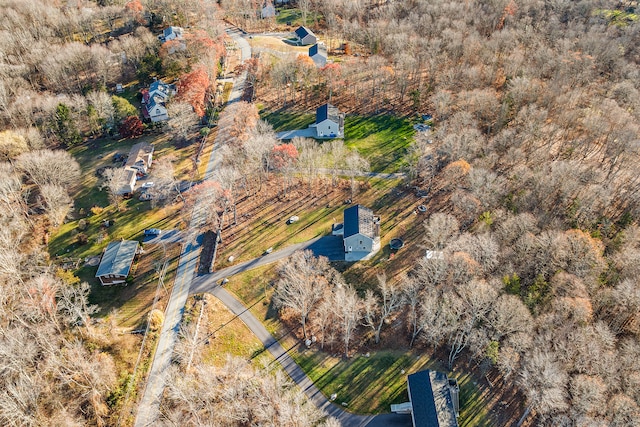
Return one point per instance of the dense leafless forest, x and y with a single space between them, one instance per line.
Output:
531 166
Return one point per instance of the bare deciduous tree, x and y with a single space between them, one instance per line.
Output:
379 309
440 229
49 167
114 181
348 312
303 279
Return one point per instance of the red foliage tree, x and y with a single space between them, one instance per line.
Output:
131 127
192 88
283 156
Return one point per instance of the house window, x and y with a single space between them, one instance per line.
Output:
157 111
360 241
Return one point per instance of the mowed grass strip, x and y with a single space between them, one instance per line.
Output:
224 333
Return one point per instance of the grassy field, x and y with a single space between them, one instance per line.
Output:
382 140
134 215
369 385
282 121
262 223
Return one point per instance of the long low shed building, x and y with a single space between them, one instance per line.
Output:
116 262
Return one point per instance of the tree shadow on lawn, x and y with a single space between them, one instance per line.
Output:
367 384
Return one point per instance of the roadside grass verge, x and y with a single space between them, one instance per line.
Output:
222 332
254 288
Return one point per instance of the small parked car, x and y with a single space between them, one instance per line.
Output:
293 219
147 184
268 251
152 232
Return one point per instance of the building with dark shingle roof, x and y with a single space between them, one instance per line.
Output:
434 399
305 36
116 262
361 233
318 53
329 122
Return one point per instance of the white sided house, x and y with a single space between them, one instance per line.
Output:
329 122
116 262
140 158
154 101
361 235
128 182
305 36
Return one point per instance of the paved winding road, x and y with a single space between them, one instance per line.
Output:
320 246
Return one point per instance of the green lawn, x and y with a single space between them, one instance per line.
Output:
282 121
369 385
382 140
295 17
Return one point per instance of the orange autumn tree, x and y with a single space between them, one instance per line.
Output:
192 88
135 9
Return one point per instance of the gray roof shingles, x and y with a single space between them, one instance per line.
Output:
117 258
328 111
359 219
431 400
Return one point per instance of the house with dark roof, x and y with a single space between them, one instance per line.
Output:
305 36
318 53
361 233
433 400
171 33
329 122
154 101
116 262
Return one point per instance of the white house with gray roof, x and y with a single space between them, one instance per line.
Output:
361 235
305 36
329 122
116 262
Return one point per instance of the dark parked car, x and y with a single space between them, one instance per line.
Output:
152 232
